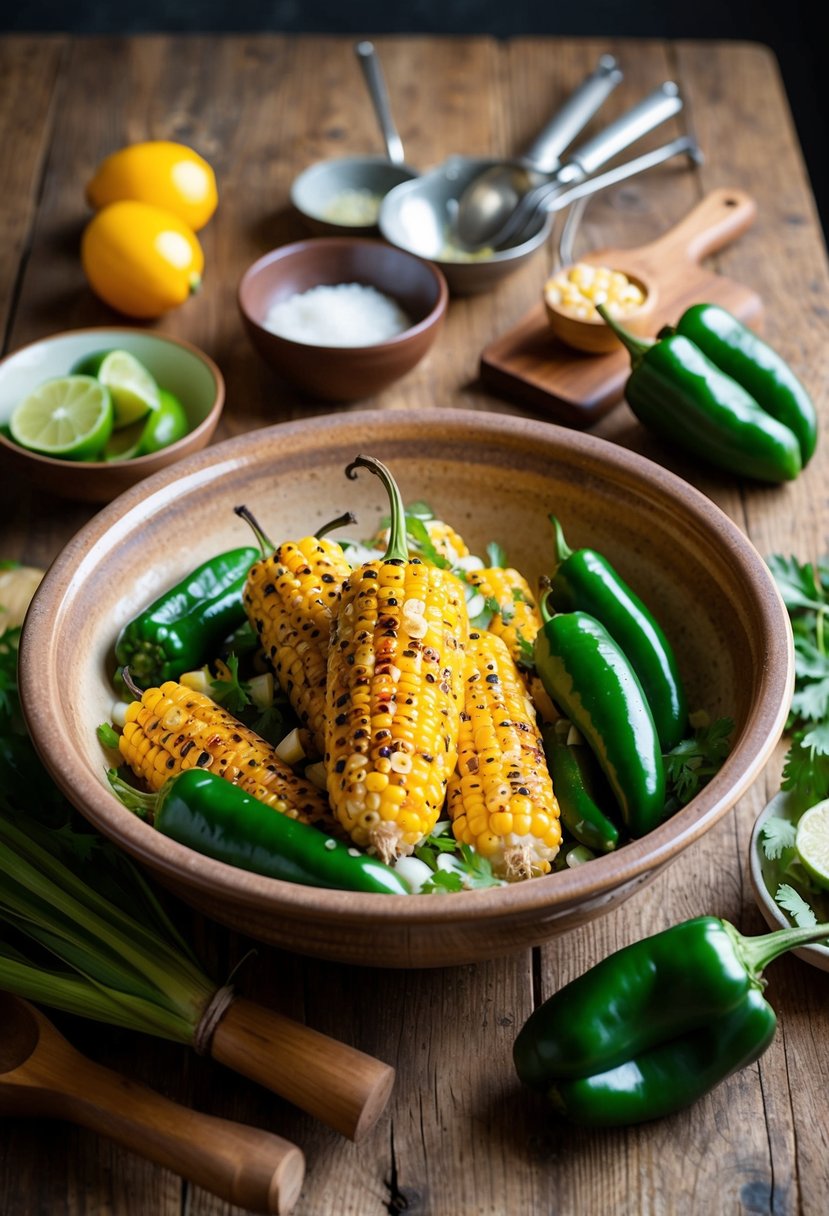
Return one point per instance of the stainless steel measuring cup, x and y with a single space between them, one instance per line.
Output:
342 196
420 215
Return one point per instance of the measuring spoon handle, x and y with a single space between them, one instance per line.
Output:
660 105
243 1165
546 149
375 81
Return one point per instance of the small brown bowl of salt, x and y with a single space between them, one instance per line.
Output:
342 317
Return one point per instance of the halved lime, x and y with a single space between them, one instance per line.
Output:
134 390
69 417
812 842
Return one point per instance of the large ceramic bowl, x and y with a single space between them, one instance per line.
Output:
493 477
176 365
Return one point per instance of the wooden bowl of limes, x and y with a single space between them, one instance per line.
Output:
88 413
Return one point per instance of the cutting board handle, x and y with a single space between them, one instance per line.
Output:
718 219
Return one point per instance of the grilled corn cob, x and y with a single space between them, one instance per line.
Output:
500 796
395 685
516 619
290 599
173 728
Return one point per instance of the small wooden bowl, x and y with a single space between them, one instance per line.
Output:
176 365
343 373
591 334
494 477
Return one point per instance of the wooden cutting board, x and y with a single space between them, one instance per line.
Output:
530 363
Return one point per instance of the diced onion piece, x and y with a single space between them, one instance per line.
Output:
290 749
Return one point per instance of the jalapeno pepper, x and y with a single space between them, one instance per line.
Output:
746 358
583 579
656 1024
578 786
679 393
214 817
592 682
672 1075
184 626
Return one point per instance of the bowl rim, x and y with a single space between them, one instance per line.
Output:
137 462
243 890
431 319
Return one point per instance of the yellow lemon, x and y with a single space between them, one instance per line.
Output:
159 172
140 259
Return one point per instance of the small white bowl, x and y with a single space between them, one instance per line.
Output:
783 806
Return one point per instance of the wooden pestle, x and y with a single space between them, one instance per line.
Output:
41 1074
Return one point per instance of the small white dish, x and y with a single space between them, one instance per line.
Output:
784 805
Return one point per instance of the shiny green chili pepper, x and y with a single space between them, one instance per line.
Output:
672 1075
206 813
583 579
581 789
592 682
657 1023
182 629
746 358
679 393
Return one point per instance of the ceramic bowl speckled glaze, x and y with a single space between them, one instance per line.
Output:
343 373
494 477
176 365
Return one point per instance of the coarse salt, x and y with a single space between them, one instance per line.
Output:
348 314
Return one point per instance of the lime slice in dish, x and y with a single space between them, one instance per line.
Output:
134 390
124 443
165 425
812 842
69 417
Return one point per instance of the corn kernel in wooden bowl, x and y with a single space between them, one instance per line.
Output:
571 296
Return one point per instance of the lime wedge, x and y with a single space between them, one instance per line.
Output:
124 443
812 842
134 391
165 425
69 417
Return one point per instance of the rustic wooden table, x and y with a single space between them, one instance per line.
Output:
460 1138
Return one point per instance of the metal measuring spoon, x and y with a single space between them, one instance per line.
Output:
324 192
41 1074
488 201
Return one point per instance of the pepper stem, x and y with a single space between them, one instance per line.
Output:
636 348
398 546
562 549
262 540
545 586
340 522
141 804
757 952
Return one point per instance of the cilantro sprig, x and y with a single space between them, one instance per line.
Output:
804 587
695 760
464 870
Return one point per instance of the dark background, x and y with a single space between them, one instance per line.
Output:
796 30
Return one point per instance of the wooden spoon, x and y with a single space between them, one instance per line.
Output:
41 1074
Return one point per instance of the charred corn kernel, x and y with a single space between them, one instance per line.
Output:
173 728
394 691
577 289
290 599
517 619
501 801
